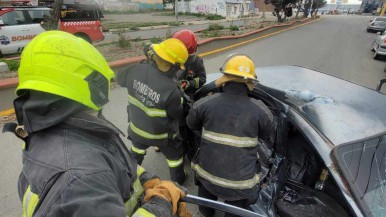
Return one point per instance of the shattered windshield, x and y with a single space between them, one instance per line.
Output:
364 167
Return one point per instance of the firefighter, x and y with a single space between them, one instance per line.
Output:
234 129
74 162
190 80
194 75
155 104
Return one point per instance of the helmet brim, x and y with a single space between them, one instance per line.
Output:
238 74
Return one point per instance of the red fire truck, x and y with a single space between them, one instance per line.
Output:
82 20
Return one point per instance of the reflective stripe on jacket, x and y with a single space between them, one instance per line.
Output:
232 126
155 104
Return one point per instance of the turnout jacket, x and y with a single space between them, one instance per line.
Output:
196 75
233 126
75 164
155 104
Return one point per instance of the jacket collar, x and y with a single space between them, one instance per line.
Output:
236 88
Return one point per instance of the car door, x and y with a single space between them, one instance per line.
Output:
14 32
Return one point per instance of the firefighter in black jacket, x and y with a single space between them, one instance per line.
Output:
234 127
190 79
194 75
74 161
155 104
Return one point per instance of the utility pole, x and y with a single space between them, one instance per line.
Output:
176 9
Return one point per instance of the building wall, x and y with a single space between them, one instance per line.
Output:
134 5
218 7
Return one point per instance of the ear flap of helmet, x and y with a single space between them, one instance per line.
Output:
99 88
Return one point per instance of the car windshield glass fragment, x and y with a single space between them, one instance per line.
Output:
364 167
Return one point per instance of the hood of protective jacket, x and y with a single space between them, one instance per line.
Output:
37 111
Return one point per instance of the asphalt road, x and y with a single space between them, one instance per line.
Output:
337 45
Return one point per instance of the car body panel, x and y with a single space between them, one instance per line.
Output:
17 30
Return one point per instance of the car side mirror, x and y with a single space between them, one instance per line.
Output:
379 33
381 82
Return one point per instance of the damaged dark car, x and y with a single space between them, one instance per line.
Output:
329 154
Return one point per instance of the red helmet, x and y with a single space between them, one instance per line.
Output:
188 38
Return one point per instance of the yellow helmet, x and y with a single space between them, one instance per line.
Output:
172 50
239 65
62 64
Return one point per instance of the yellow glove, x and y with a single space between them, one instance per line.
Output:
183 211
151 183
168 191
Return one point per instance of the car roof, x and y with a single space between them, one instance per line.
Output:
341 110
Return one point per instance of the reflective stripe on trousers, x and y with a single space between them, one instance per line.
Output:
152 112
131 204
147 135
30 200
138 151
231 184
175 163
225 139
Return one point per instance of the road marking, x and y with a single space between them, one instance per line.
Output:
7 112
254 39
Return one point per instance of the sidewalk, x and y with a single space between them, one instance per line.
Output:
199 25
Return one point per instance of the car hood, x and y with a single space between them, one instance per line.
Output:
342 111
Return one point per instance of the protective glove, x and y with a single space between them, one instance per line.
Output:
168 191
151 183
184 84
183 211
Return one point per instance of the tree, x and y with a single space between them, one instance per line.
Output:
51 22
315 4
299 6
283 8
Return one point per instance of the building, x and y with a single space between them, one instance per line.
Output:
225 8
130 5
341 5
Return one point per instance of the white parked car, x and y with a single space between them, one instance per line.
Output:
18 26
379 46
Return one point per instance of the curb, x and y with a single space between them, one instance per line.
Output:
13 82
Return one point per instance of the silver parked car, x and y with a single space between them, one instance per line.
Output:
379 46
378 24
